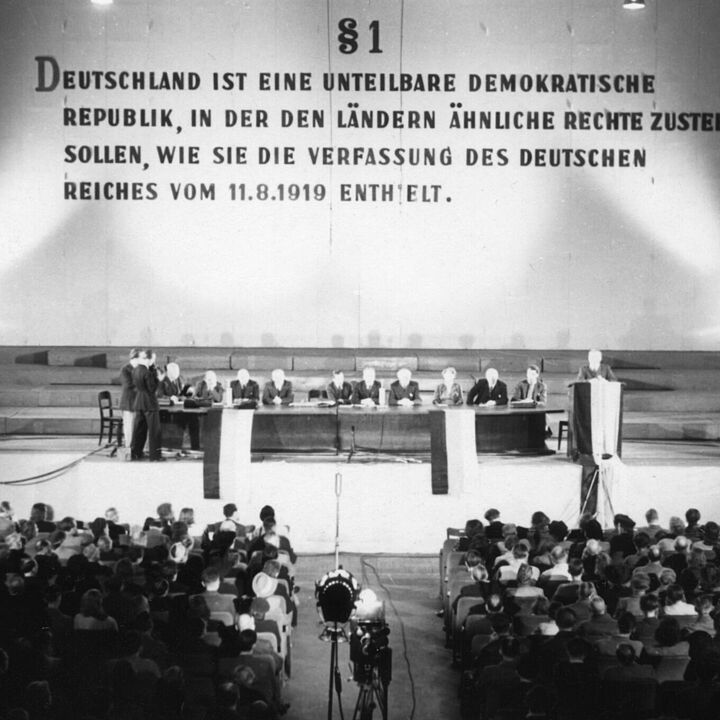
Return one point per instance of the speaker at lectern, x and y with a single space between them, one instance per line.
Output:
595 421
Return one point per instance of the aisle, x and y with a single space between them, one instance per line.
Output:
422 676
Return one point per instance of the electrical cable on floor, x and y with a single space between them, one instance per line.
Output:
52 474
365 563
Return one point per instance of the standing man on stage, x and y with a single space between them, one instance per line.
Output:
127 398
595 368
147 412
488 392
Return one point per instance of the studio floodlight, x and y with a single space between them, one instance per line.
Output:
336 593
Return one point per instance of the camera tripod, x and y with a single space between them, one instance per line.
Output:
373 694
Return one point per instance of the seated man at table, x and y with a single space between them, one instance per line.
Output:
532 387
279 390
338 390
209 390
488 392
404 391
244 389
595 368
367 391
173 385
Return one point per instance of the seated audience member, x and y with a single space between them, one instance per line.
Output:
367 391
278 391
622 540
214 599
559 572
173 385
567 592
527 620
705 621
39 517
209 390
338 390
404 391
7 524
489 391
478 585
710 541
582 607
595 368
669 653
576 683
114 528
600 623
520 556
627 667
653 526
675 603
639 586
448 392
607 645
693 531
500 686
92 615
550 653
245 390
653 567
495 524
524 596
532 387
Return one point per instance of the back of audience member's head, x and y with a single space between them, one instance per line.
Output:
510 648
674 594
479 573
525 575
667 576
586 590
494 604
248 638
91 604
229 510
642 541
558 530
575 568
491 514
623 523
626 623
639 583
625 654
577 649
651 516
654 554
676 525
558 555
565 618
471 527
692 516
473 558
704 604
598 606
667 633
649 604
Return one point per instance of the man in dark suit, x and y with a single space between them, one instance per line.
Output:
367 391
147 413
174 387
278 391
595 368
404 391
532 387
338 390
245 389
127 396
490 391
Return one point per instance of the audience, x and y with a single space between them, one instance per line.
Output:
632 607
109 623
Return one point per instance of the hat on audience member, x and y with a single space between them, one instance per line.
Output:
263 585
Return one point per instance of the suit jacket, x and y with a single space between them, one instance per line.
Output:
523 388
411 392
448 396
604 371
204 393
340 395
363 392
270 392
170 388
251 391
146 384
127 395
481 393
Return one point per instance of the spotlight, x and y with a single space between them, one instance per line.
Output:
336 593
634 4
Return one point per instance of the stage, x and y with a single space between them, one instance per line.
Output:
386 504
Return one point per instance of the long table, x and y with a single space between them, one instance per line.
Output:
344 429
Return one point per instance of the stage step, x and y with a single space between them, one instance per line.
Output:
671 426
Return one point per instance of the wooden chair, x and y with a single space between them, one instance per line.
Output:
113 422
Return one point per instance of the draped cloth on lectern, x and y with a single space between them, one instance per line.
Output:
226 440
605 406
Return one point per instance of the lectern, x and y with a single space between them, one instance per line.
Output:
595 420
595 440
